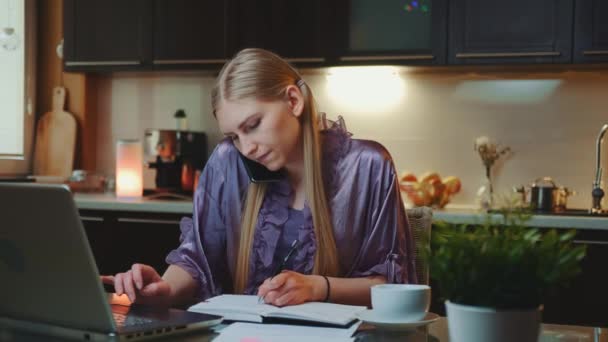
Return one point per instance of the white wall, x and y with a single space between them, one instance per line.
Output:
549 119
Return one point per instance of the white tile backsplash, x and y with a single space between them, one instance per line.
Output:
549 119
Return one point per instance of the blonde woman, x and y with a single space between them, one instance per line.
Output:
339 199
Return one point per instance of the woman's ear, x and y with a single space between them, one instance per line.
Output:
295 100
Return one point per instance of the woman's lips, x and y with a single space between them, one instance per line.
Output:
263 157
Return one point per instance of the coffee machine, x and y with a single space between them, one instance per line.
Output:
178 156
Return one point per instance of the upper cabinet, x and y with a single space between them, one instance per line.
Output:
296 30
105 34
514 31
591 31
113 35
189 32
401 32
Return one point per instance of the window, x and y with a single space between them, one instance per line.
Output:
16 85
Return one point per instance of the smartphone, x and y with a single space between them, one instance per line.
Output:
258 173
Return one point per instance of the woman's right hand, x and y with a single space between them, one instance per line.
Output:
142 284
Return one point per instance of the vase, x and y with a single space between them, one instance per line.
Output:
481 324
485 195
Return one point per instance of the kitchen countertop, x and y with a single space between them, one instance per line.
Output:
470 215
110 202
453 213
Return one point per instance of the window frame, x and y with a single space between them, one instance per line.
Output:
22 164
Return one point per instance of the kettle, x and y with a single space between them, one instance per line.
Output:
545 195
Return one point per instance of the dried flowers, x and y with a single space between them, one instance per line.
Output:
489 152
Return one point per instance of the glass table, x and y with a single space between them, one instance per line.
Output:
434 332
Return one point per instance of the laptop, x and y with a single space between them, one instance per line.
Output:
49 282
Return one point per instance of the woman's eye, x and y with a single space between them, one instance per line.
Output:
234 137
255 124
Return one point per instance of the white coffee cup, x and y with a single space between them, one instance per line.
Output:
402 302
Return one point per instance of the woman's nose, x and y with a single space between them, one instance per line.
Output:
249 148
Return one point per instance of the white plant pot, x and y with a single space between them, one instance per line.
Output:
481 324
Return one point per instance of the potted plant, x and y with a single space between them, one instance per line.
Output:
495 275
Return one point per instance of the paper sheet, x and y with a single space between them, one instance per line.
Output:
251 332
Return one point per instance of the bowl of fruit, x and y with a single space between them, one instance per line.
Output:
429 189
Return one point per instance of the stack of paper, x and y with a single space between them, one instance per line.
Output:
248 332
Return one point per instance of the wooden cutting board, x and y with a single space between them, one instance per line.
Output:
55 140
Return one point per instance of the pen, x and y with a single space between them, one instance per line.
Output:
294 246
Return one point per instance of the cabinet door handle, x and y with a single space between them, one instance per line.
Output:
591 242
156 221
306 60
595 52
101 63
386 58
189 61
507 54
91 219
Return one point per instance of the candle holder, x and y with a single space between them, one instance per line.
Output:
129 169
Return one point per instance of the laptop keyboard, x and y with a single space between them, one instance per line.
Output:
129 320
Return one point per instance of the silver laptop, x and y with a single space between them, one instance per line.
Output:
49 281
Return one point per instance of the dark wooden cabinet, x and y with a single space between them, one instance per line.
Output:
189 32
396 32
507 32
296 30
119 239
140 35
144 34
590 31
105 34
585 300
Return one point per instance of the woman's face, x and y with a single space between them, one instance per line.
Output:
267 132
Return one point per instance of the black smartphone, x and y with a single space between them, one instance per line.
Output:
258 173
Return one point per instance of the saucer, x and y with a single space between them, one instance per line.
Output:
371 317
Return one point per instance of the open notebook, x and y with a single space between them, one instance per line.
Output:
246 308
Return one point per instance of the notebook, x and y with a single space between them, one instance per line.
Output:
50 282
246 308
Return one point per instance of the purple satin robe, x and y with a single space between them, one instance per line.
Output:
370 226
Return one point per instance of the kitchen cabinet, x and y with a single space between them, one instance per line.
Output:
510 32
119 35
189 32
119 239
105 34
296 30
141 35
585 300
590 31
396 32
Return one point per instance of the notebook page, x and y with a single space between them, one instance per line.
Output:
319 312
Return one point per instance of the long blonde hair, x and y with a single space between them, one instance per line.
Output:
262 75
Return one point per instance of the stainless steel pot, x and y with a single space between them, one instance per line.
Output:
545 196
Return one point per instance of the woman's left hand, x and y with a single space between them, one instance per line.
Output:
291 288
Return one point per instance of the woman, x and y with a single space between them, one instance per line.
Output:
340 200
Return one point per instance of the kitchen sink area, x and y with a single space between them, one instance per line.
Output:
567 212
575 212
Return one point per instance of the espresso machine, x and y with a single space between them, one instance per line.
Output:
178 156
